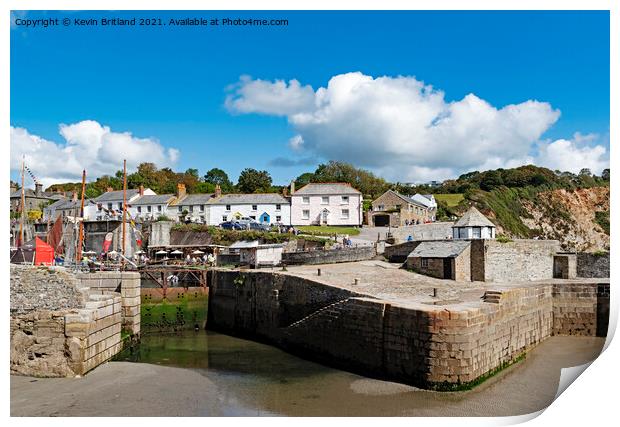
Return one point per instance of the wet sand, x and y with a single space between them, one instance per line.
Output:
216 375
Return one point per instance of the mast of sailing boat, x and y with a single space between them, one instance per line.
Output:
23 210
80 239
124 209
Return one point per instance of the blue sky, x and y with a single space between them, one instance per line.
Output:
170 84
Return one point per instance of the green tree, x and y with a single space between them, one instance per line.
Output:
217 176
304 179
253 181
605 174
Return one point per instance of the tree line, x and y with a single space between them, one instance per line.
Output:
165 180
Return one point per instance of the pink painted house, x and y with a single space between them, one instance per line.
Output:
326 204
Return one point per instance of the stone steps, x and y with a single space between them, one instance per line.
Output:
328 310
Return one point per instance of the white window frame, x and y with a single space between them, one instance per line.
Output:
344 200
224 218
254 207
305 200
227 208
305 214
278 207
325 200
343 215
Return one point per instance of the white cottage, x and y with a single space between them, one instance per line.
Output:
267 208
150 207
109 205
326 204
473 225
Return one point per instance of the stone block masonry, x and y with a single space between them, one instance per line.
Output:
444 346
74 325
593 265
128 284
329 256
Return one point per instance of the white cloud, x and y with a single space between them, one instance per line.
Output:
277 98
573 155
296 143
400 126
87 145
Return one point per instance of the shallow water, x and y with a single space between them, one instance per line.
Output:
249 378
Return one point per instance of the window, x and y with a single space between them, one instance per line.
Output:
120 206
278 218
424 262
159 208
253 217
202 208
139 209
224 218
345 214
202 218
191 209
227 208
305 214
254 207
148 209
345 200
305 200
278 207
325 200
180 208
380 207
476 232
463 233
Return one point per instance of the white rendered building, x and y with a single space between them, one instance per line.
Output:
326 204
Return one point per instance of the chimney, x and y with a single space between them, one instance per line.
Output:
285 191
180 190
218 190
74 198
141 190
38 189
292 187
108 189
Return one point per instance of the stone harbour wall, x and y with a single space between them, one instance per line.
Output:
71 327
127 283
593 265
494 261
434 346
329 256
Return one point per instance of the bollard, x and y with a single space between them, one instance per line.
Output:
434 292
284 267
356 281
318 272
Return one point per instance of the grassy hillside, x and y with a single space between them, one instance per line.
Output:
450 200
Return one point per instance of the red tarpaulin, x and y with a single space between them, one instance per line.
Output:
54 237
43 253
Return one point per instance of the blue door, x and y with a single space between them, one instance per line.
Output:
264 218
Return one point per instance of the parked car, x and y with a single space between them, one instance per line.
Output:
230 225
258 226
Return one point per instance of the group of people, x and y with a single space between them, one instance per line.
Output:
412 222
206 259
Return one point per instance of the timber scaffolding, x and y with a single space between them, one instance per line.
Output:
186 276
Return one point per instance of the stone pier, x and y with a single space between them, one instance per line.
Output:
63 324
389 324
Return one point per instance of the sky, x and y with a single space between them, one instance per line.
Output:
413 96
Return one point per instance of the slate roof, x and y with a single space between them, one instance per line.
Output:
328 188
193 199
115 196
249 199
29 193
473 218
440 249
160 199
409 200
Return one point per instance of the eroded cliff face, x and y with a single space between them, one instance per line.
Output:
570 217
